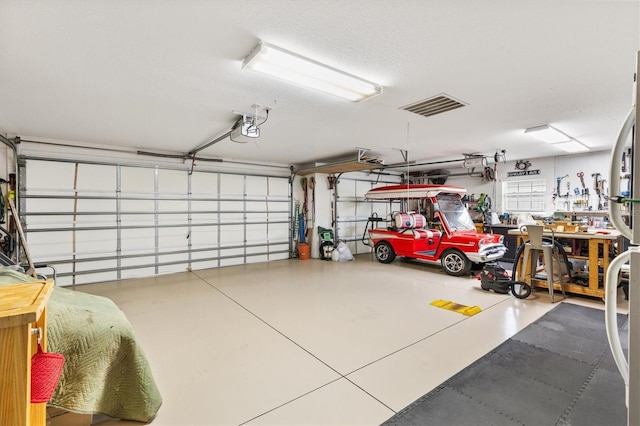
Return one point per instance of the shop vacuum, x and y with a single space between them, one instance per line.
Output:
495 277
326 245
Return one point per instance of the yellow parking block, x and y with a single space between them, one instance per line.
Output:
456 307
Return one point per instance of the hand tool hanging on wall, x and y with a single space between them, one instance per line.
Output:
584 202
558 181
2 205
312 216
302 229
567 203
597 186
11 194
581 176
296 221
305 209
6 238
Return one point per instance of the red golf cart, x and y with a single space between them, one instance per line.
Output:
439 228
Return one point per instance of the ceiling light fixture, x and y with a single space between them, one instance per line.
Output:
548 134
551 135
293 68
572 146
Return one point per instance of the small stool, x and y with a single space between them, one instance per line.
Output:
532 250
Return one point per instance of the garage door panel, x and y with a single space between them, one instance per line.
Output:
175 219
257 186
172 182
48 205
232 235
104 241
204 185
137 181
134 240
278 231
96 179
256 234
231 186
137 206
48 177
172 238
204 236
137 272
173 205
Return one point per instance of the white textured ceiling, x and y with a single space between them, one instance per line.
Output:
165 75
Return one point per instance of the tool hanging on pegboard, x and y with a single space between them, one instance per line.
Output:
581 176
305 210
296 221
6 238
558 182
597 186
312 215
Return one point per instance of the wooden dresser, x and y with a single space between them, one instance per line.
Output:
22 311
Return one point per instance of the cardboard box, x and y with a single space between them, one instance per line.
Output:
60 417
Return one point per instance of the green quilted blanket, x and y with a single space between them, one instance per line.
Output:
105 369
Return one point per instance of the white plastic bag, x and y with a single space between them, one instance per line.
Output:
335 255
344 254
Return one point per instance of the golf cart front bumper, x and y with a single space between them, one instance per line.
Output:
488 253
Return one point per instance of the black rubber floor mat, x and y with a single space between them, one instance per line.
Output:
557 371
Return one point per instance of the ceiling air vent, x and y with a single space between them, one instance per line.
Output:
435 105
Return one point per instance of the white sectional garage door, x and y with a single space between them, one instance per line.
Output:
99 222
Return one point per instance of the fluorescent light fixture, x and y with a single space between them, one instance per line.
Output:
572 146
293 68
557 138
548 134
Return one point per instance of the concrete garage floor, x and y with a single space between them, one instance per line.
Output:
309 342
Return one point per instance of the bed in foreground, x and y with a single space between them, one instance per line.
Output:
106 370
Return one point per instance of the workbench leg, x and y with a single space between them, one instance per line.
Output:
593 264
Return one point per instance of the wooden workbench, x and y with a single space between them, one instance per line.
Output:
600 247
22 308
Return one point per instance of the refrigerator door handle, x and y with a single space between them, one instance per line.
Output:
614 175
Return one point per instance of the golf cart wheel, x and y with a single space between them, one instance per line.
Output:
455 263
520 289
384 252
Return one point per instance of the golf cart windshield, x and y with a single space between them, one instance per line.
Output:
454 212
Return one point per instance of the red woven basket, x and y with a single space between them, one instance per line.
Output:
46 368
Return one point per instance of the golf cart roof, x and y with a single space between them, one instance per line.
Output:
404 191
